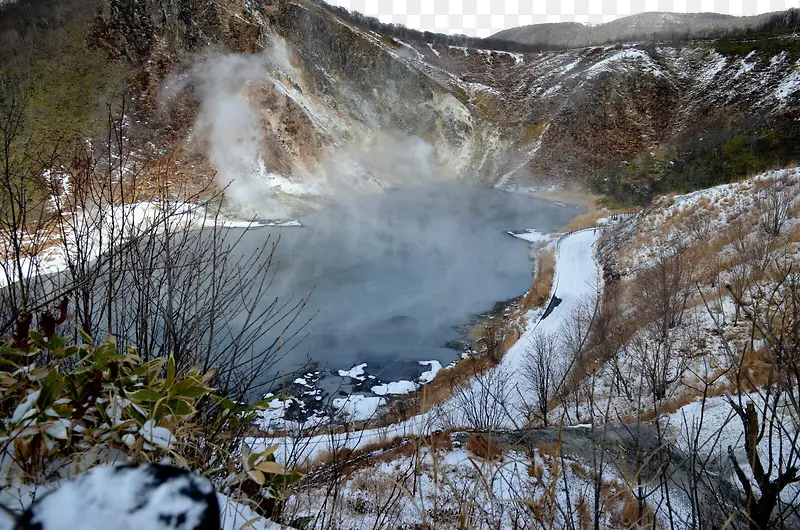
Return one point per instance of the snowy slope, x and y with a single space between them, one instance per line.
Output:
91 231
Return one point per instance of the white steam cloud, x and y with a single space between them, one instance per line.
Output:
363 155
231 127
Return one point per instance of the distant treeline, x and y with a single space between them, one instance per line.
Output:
546 37
725 154
408 34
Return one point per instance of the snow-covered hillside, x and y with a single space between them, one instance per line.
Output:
674 382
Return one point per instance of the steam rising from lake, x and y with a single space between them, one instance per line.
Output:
393 274
229 125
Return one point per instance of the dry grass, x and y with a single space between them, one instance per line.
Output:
496 337
632 517
757 368
441 387
348 460
573 196
794 233
484 447
539 293
589 219
673 405
584 513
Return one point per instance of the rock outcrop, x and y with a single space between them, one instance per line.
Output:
342 107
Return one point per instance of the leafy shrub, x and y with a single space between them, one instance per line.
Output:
88 403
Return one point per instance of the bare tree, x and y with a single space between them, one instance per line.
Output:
22 217
774 202
768 407
542 372
770 421
482 402
665 288
144 259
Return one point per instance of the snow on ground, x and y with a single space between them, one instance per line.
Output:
643 63
475 88
238 516
711 69
745 66
566 69
789 85
450 487
717 427
463 49
357 407
699 215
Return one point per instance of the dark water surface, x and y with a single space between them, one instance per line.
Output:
394 274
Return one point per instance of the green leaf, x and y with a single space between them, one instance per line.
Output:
36 338
85 336
179 407
106 353
189 389
224 402
251 459
75 350
170 378
12 352
6 380
145 395
63 411
57 345
51 388
80 370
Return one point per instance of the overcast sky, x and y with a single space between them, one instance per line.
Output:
481 18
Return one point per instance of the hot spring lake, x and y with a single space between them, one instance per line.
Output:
394 275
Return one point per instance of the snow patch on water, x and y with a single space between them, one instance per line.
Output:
532 236
358 407
396 387
356 372
428 376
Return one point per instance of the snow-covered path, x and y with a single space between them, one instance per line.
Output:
576 278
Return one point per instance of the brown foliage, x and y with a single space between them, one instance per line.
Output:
539 293
484 447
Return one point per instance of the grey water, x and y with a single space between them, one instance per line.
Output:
394 275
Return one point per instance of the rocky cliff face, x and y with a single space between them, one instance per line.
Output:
343 108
